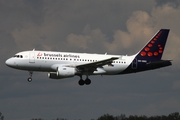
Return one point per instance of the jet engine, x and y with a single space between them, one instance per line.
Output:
62 72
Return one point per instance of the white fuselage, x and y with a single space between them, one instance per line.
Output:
47 61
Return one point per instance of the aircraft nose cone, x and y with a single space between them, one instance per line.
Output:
9 62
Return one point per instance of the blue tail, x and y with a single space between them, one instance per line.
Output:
154 49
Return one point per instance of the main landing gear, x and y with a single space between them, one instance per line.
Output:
87 81
30 76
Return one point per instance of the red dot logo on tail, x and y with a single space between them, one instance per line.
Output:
147 50
149 45
150 54
156 53
143 53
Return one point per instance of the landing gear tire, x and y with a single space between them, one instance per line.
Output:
81 82
87 81
29 79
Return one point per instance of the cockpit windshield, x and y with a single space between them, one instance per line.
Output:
18 56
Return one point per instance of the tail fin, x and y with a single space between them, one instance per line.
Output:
154 49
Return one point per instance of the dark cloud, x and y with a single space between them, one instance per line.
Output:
15 13
162 2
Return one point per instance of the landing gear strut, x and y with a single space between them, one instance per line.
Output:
30 76
87 81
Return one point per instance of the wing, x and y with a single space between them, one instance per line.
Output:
91 67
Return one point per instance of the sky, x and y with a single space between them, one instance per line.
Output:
119 27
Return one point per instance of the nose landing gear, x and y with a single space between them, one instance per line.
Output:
30 76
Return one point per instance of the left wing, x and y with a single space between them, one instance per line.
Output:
90 67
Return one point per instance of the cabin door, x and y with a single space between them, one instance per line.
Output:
31 57
134 63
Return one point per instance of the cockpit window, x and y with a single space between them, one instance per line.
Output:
18 56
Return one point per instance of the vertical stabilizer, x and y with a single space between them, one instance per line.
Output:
154 49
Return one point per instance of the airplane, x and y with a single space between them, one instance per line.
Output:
61 65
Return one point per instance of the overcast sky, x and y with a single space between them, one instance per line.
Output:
91 26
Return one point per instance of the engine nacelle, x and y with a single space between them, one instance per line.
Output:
53 75
62 72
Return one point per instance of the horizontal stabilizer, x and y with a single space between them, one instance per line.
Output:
158 64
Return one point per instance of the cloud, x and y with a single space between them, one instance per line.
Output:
89 39
50 23
78 41
141 27
167 16
122 40
162 2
